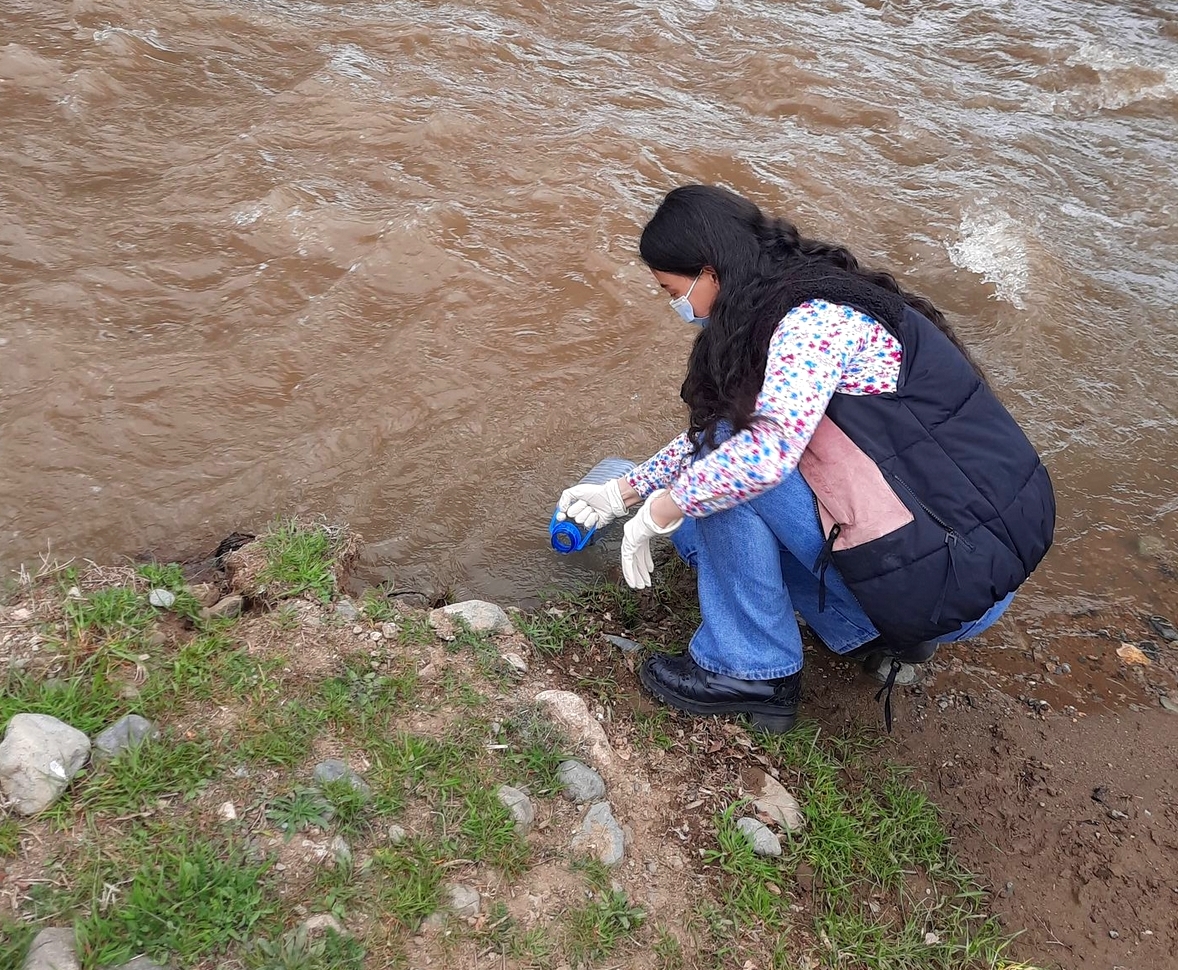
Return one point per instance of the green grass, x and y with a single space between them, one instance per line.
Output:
408 882
536 748
115 609
139 871
139 777
595 930
9 837
170 576
551 631
177 894
668 951
280 736
211 665
297 950
746 891
86 696
426 767
301 809
376 606
15 939
865 839
349 806
655 728
482 829
300 559
363 700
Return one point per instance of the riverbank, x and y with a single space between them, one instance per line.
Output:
363 782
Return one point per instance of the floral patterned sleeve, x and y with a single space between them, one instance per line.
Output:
661 470
817 349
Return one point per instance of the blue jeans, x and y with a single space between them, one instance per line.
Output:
755 567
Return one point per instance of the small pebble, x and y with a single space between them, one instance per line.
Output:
357 629
162 598
1113 934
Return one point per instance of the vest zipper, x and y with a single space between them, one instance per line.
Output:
952 536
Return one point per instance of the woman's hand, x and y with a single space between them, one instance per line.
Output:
659 516
596 506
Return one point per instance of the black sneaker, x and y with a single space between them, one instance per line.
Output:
770 705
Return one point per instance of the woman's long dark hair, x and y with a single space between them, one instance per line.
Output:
765 268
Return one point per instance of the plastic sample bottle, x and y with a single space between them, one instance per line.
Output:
567 536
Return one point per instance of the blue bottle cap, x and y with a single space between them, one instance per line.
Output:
566 536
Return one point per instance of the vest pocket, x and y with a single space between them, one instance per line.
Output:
910 581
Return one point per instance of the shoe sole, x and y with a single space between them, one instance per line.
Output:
764 717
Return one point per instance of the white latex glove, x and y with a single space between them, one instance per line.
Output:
637 562
592 506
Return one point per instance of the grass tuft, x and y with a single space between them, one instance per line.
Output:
753 886
90 700
9 838
139 777
300 810
173 894
300 559
594 931
114 609
409 882
298 950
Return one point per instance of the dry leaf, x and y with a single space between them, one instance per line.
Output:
1132 655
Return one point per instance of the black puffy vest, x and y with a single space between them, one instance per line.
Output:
982 501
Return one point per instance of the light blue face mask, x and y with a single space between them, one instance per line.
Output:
682 305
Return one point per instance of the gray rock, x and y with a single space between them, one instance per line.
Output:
880 667
346 610
53 949
572 713
601 836
763 841
321 923
164 599
397 834
432 924
581 783
225 609
206 594
626 646
127 732
1170 703
38 757
479 615
1163 628
340 851
520 806
515 662
142 963
333 769
462 900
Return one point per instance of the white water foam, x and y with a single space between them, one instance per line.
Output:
1126 78
353 62
992 244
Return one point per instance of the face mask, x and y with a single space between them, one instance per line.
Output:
682 305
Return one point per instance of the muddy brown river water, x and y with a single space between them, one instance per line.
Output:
377 259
